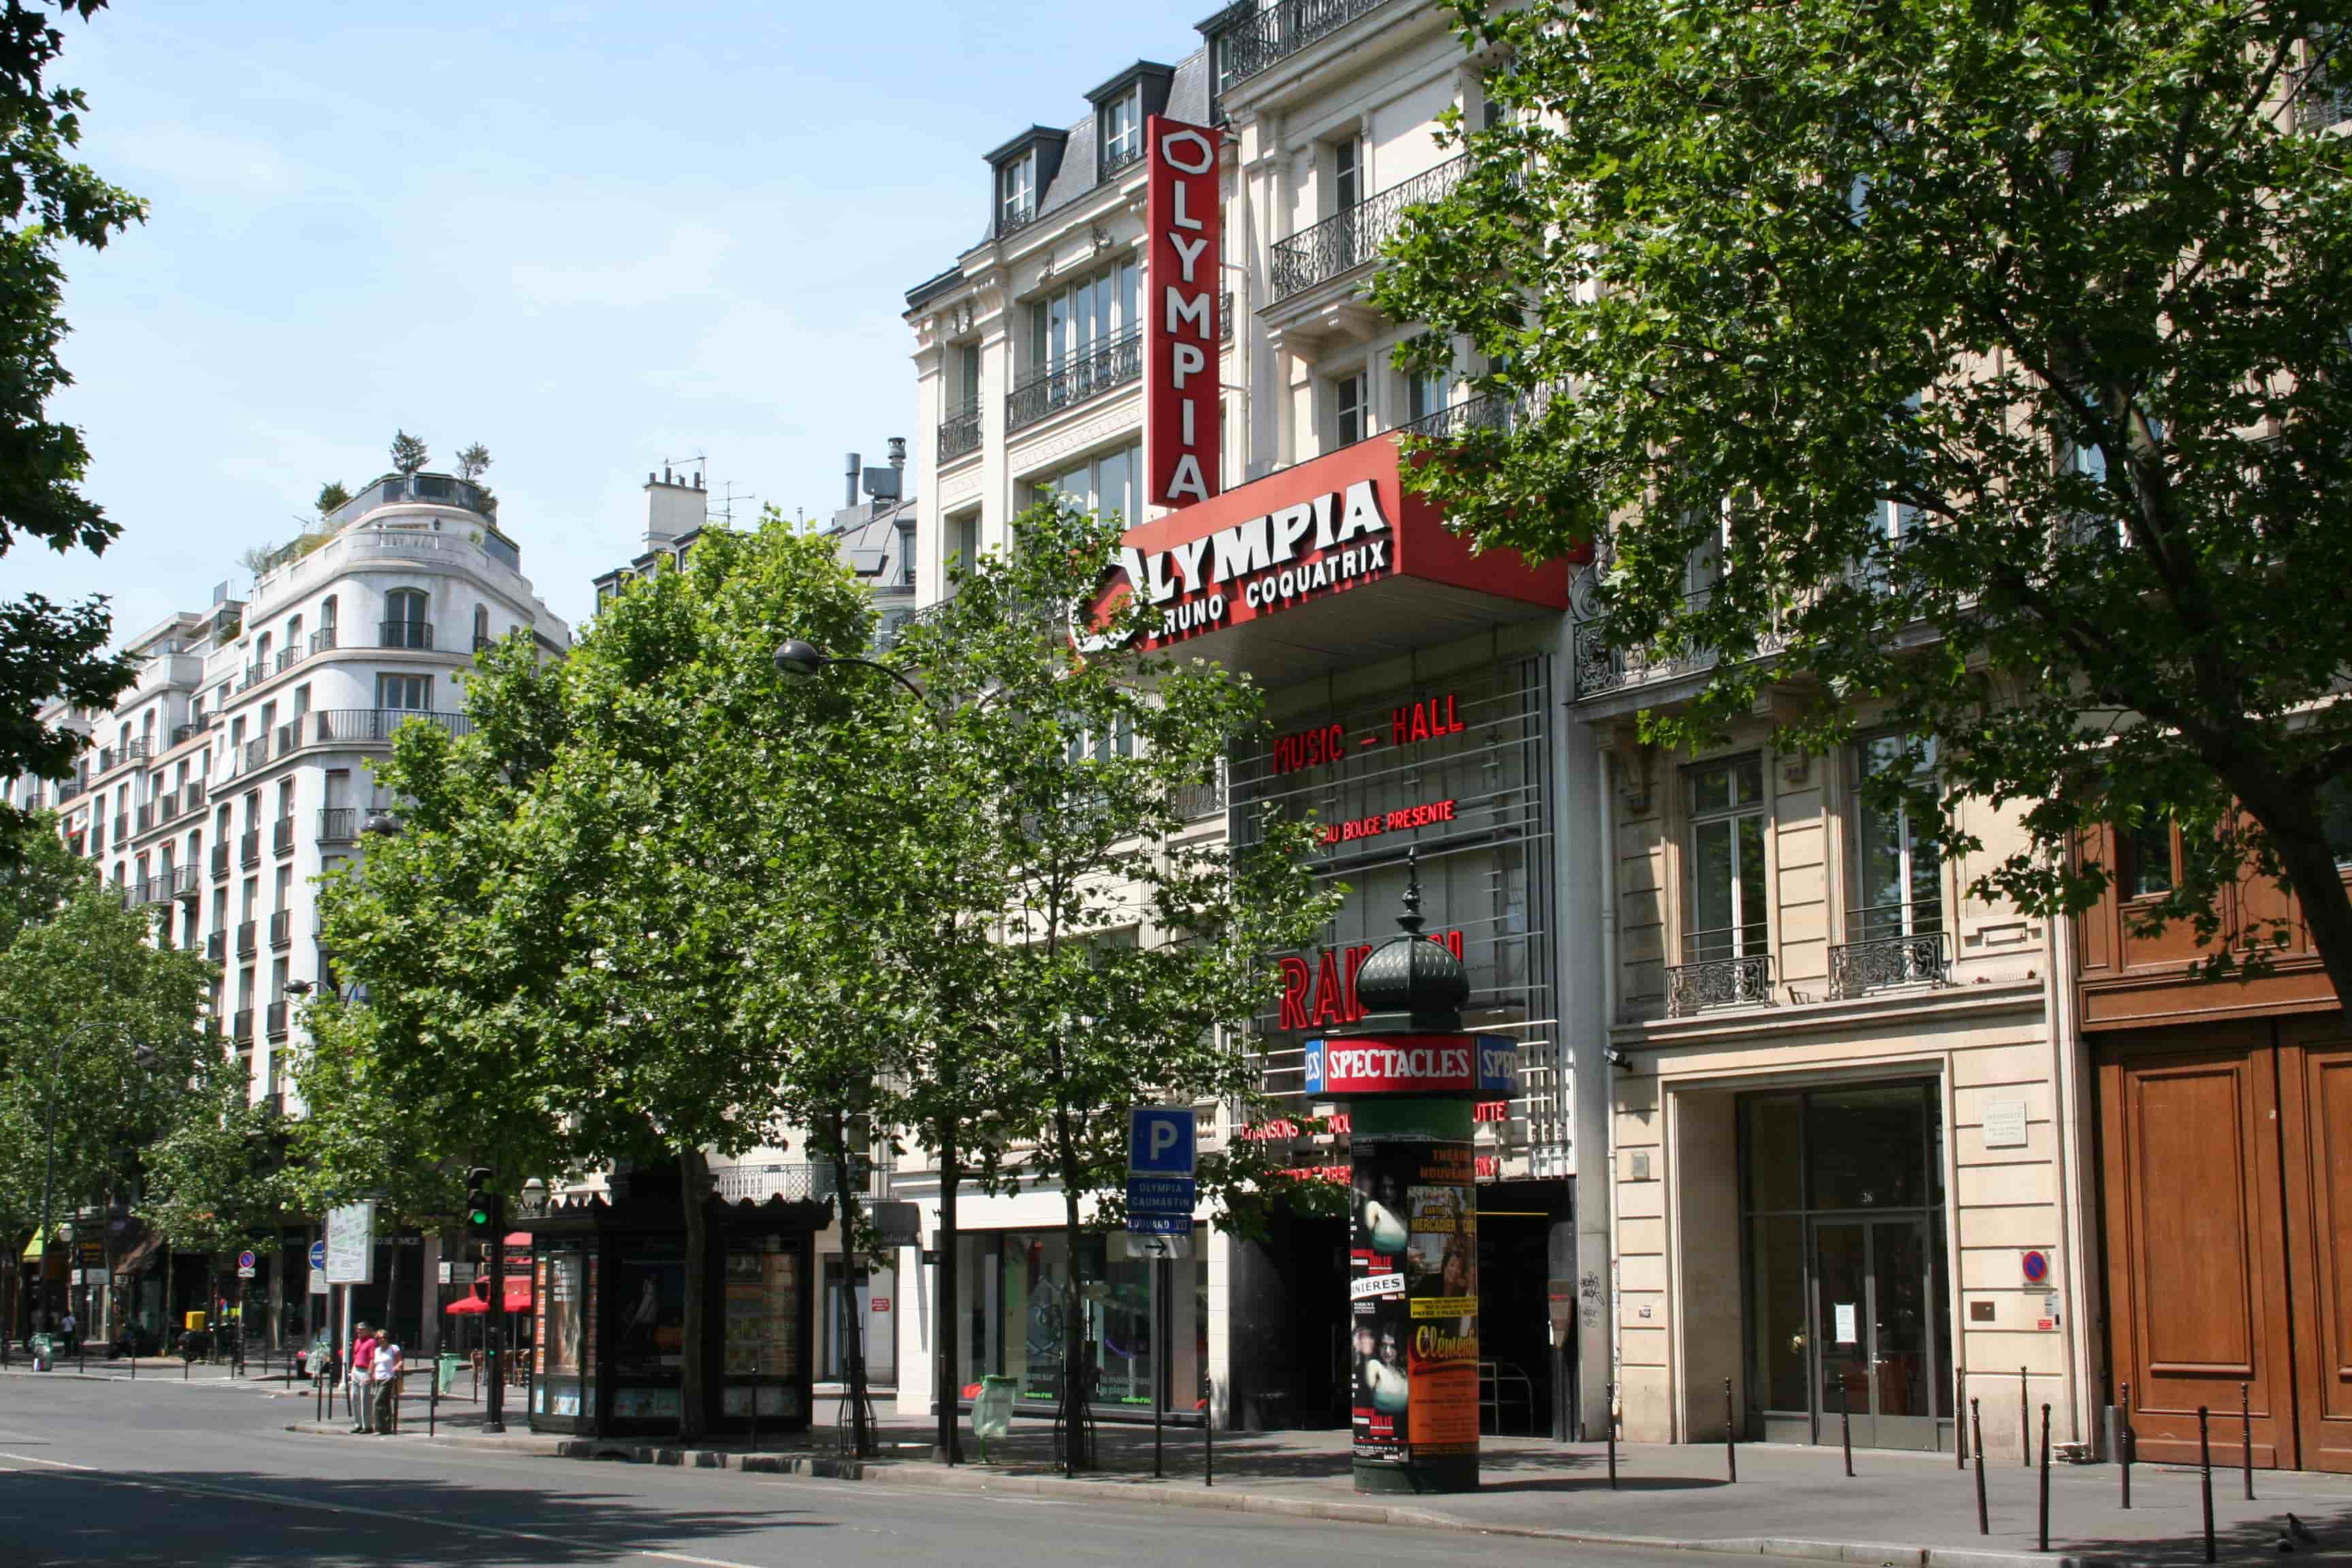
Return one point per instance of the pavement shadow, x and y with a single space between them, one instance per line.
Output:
2243 1542
248 1519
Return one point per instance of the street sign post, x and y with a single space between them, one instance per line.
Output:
350 1245
1161 1193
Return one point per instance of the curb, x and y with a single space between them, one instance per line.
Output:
1866 1554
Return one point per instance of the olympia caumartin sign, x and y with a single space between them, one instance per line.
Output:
1184 436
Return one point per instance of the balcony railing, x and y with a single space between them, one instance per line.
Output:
1272 34
217 947
289 736
249 848
1884 963
188 885
1720 972
1344 241
287 658
167 805
191 793
281 929
1206 799
347 726
1075 379
150 815
256 753
248 939
281 836
959 431
1013 220
404 634
337 823
183 733
255 674
1601 666
121 827
273 1019
323 640
220 862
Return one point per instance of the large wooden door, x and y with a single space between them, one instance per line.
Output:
2316 1075
2197 1259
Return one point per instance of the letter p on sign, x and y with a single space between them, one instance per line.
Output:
1160 1139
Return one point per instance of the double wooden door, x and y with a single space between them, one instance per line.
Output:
2227 1152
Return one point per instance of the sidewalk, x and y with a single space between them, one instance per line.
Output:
1789 1501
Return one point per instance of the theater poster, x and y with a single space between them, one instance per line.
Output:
1413 1301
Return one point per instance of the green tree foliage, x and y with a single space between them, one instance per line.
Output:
217 1180
333 495
409 452
47 651
473 461
1990 369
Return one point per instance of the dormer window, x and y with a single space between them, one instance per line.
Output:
1122 132
1017 191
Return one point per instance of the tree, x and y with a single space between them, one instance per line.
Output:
332 496
473 462
1987 370
408 452
217 1180
1119 949
49 652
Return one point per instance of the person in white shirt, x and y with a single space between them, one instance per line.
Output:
386 1379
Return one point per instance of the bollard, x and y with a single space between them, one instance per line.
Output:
2024 1420
134 1363
755 1412
2124 1445
1612 1419
1959 1427
1845 1423
184 1362
1731 1453
433 1404
2205 1477
1976 1439
1209 1439
2045 1478
2246 1422
320 1390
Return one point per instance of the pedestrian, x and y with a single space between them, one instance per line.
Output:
387 1384
362 1370
69 1326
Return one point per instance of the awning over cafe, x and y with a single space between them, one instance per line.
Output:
518 1300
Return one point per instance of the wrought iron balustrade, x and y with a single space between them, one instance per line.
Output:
757 1183
337 823
1719 977
1265 36
1344 241
1206 799
405 634
346 726
186 885
959 431
1082 376
1884 963
323 640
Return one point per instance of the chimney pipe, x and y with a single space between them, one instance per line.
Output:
897 452
853 466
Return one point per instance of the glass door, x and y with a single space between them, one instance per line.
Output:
1871 1294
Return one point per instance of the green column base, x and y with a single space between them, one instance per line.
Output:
1451 1473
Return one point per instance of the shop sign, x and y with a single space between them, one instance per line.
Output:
1324 993
1413 1303
1404 819
1185 263
1413 1064
1409 724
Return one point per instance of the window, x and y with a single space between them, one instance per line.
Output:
1082 317
482 627
1346 173
1122 132
963 548
1728 919
327 614
1016 193
1898 882
408 693
2147 859
966 390
2335 816
404 619
1350 419
1426 394
1105 486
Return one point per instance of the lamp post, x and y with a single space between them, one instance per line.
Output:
798 660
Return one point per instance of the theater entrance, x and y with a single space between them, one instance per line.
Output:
1846 1266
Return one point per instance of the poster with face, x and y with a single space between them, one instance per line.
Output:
1380 1323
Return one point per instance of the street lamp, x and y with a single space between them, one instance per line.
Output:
798 660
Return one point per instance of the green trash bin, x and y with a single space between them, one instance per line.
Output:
992 1411
44 1350
445 1370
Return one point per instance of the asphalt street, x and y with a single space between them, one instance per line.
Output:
158 1472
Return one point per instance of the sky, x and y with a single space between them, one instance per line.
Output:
592 236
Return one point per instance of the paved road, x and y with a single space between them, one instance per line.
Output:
161 1473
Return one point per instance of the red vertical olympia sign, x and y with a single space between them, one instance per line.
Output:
1183 406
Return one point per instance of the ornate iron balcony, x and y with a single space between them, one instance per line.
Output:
1083 376
247 942
959 431
349 725
405 634
1881 963
1743 982
1262 38
323 640
1344 241
337 823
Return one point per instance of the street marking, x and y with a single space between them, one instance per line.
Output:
281 1500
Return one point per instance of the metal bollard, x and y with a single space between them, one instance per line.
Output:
1976 1436
433 1404
1959 1430
2045 1478
1731 1452
2024 1420
1845 1423
2205 1477
1209 1439
2124 1445
2246 1421
1610 1419
318 1389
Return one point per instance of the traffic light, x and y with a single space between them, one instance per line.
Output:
481 1217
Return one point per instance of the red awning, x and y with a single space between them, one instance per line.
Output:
518 1240
517 1299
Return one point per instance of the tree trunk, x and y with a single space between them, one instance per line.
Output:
943 1334
861 1434
1075 1363
2292 822
694 1185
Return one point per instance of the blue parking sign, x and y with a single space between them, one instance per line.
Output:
1160 1139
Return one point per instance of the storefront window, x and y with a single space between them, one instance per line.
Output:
1013 1289
763 1326
564 1365
648 1328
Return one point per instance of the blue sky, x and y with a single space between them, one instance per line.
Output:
590 236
